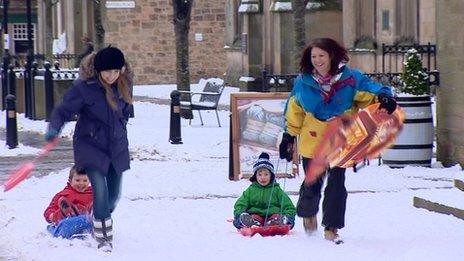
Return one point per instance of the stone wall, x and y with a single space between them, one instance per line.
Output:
450 94
146 35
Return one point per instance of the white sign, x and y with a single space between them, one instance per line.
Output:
59 45
120 4
198 37
6 41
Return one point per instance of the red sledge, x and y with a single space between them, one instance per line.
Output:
265 231
350 140
22 171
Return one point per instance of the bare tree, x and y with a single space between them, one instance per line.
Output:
98 24
181 18
299 33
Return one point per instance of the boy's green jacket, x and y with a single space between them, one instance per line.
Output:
255 200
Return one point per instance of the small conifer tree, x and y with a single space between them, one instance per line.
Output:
414 79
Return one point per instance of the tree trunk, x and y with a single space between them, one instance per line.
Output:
299 35
182 10
99 30
48 30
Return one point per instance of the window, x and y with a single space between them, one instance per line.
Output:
385 20
20 31
19 37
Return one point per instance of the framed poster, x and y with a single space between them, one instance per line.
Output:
257 124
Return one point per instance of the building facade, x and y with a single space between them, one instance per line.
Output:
367 24
17 26
144 30
259 36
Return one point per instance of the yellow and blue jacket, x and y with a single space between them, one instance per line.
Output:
309 108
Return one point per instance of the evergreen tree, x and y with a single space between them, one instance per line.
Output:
414 78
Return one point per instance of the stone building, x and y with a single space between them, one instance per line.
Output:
259 36
144 30
367 24
17 26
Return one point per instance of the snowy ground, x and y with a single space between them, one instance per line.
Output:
176 200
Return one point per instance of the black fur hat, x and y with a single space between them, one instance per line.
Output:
109 58
263 162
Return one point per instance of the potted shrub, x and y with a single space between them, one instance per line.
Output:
414 78
414 145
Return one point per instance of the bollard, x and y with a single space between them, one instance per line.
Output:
174 127
11 126
48 82
35 66
11 80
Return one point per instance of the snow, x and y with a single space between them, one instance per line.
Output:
19 150
176 200
246 79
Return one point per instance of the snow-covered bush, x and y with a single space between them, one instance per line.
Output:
414 79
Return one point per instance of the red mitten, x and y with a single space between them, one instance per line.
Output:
56 216
66 208
81 209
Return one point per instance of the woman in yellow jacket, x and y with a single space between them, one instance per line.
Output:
326 88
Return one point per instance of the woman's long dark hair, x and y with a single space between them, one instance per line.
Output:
337 54
124 82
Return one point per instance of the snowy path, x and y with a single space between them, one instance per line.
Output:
176 200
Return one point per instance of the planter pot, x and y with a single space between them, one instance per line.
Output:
414 145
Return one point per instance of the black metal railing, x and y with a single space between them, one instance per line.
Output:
393 56
68 61
284 83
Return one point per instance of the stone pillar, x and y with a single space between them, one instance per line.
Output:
282 38
349 23
40 28
252 44
73 28
450 93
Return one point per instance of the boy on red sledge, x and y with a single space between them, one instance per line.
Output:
263 203
68 212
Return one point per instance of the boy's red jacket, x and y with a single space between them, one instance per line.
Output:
81 200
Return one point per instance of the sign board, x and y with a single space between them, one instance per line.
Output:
198 37
120 4
257 123
6 41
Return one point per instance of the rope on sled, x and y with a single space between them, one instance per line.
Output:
272 191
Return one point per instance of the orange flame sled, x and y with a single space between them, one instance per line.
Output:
350 140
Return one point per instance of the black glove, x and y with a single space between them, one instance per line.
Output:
286 147
387 103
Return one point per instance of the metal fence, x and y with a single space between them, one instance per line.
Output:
392 57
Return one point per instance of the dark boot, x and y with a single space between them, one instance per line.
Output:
247 220
103 233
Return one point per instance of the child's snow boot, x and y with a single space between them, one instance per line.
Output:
247 220
276 220
103 233
310 224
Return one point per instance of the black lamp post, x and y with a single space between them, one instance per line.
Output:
6 54
29 58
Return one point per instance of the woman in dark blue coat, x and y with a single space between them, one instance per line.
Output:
101 99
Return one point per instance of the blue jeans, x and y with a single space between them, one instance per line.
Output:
106 190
